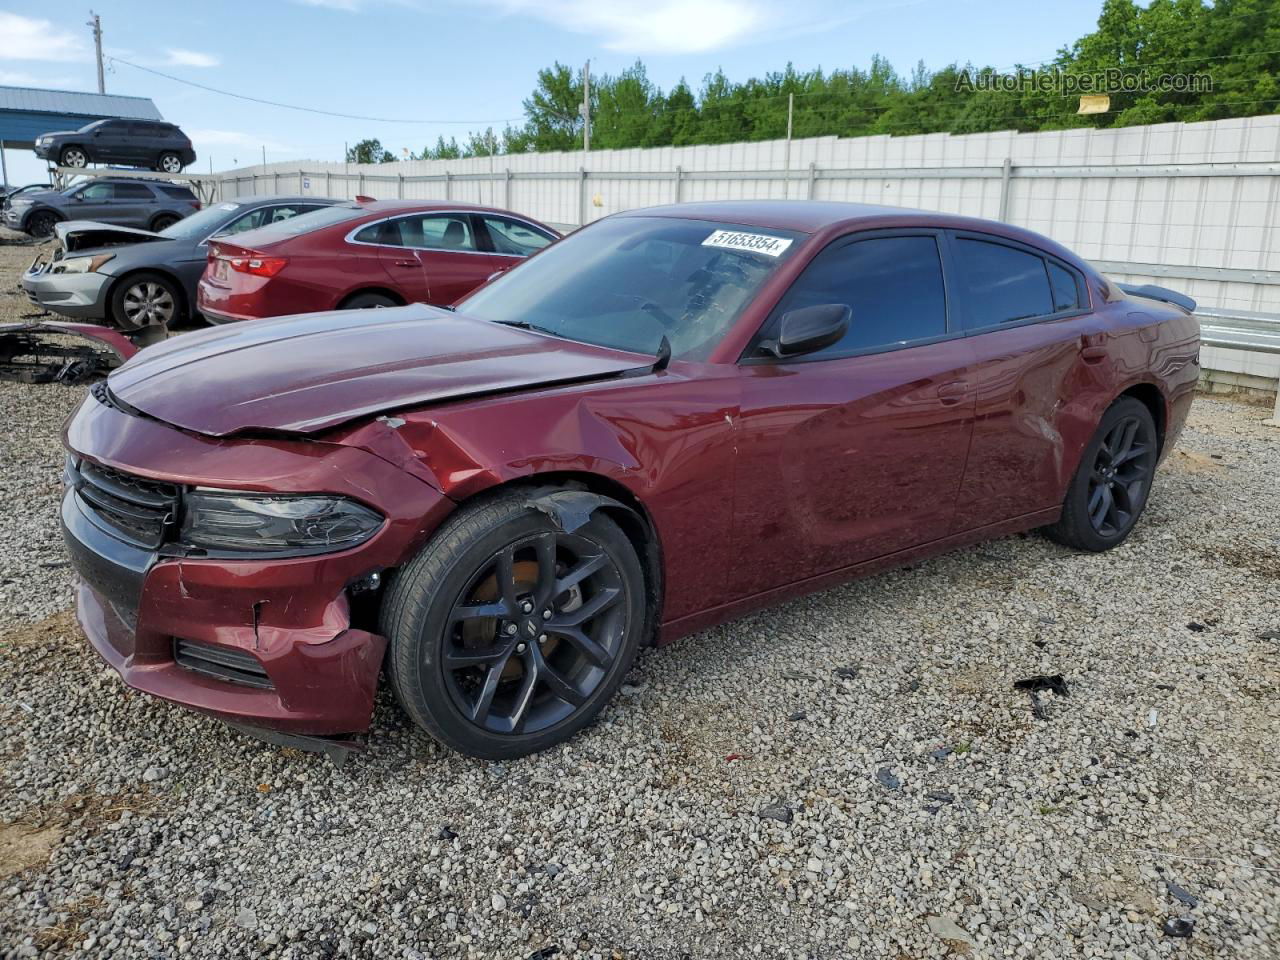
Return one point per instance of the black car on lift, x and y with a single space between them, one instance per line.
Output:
154 144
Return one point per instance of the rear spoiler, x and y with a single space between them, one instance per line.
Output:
1152 292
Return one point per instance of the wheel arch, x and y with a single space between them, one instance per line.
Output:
57 215
359 291
1150 396
620 504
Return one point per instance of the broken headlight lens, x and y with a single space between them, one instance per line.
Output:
253 523
81 264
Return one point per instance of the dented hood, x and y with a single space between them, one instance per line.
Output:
309 373
87 234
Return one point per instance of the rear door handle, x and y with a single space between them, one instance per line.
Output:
407 263
1093 354
953 392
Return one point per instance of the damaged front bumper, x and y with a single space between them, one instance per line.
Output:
54 351
264 642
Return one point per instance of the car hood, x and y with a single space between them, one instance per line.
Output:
313 372
90 234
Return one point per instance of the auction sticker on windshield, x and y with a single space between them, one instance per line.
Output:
751 242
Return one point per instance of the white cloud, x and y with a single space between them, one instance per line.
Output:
18 78
350 6
654 26
177 57
26 38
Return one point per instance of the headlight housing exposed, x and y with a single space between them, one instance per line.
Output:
225 522
81 264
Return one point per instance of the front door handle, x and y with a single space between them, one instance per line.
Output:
953 391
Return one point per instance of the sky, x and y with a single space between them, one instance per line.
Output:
451 66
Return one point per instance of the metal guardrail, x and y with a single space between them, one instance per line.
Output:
1239 330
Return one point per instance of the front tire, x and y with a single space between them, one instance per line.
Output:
41 224
508 635
73 157
1113 481
145 300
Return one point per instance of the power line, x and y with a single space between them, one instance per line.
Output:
294 106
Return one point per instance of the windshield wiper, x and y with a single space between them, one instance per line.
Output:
526 325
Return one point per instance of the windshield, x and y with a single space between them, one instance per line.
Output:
627 282
201 223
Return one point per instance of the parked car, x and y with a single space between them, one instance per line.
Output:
11 193
669 418
120 201
153 144
139 278
367 254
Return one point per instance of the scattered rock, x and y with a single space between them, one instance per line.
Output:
946 928
1179 927
887 779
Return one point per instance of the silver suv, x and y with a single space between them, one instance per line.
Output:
120 201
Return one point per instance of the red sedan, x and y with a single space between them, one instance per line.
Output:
667 419
379 253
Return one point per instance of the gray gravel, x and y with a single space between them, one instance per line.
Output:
850 775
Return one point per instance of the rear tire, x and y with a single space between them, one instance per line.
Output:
367 301
73 157
169 163
163 222
41 223
1113 481
502 604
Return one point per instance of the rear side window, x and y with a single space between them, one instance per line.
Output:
512 238
1004 284
428 232
1065 288
178 193
133 191
893 285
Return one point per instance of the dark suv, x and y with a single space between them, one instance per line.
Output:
119 201
132 143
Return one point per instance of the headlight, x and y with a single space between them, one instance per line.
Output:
255 523
81 264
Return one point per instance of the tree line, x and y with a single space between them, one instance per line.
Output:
1147 59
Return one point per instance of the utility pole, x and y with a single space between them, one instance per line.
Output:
791 105
95 22
585 109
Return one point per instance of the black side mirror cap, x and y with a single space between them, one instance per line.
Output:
809 329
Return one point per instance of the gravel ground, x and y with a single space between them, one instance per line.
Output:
849 775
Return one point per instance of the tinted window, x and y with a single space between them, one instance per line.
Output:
1004 284
513 238
893 285
1066 292
178 193
133 191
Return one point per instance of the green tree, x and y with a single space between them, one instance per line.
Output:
369 151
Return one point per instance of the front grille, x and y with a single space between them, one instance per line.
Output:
137 510
222 663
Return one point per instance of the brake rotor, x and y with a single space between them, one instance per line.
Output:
481 634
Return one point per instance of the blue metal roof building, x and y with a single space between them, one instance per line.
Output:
27 112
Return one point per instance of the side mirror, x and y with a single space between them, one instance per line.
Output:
808 329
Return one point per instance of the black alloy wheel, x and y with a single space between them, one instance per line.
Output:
509 634
1113 481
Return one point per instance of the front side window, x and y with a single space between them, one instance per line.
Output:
1004 284
892 285
626 282
514 239
98 192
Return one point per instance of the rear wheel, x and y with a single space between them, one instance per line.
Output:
73 157
41 223
169 163
365 301
163 222
1113 481
145 300
509 635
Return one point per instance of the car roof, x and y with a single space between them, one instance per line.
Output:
815 216
385 207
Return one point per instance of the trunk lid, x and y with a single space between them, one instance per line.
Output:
310 373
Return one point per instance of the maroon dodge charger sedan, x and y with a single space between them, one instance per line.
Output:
372 253
666 419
